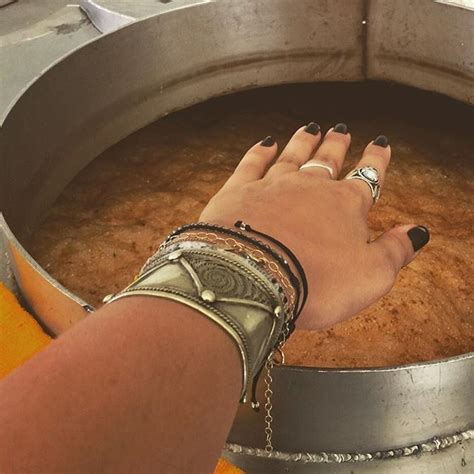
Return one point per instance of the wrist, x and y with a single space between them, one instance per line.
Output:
241 279
278 273
230 290
239 238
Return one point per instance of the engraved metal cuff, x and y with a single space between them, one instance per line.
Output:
229 289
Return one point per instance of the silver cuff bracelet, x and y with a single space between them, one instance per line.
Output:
231 290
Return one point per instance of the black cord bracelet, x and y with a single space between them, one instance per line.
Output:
300 287
263 246
243 226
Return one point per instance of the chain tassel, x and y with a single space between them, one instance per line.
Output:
268 380
268 404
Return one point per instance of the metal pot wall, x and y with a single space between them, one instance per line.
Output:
416 418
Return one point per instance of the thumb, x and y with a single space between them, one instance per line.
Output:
397 247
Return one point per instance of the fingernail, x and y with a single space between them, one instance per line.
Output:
419 237
340 128
382 141
269 141
312 128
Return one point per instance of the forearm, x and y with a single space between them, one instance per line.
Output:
145 384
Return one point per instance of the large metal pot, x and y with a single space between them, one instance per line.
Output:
413 418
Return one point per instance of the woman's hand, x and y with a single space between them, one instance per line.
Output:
322 220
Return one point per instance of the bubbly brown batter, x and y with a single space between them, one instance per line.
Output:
117 210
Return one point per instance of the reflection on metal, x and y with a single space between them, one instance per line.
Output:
58 309
467 4
102 18
126 79
360 410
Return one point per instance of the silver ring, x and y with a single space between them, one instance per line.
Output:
318 164
369 175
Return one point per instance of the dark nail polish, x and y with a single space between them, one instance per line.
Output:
312 128
269 141
382 141
340 128
419 237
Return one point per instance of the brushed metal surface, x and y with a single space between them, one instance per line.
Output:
59 309
124 80
423 44
350 411
118 83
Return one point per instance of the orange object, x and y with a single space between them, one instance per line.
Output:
225 467
21 337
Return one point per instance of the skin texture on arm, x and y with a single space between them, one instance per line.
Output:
149 385
143 385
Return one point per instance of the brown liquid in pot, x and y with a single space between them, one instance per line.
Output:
117 210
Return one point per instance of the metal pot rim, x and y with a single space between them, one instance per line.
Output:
388 368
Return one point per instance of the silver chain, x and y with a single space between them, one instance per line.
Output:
269 364
268 404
